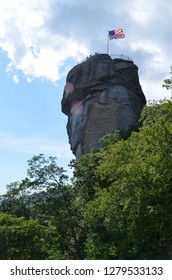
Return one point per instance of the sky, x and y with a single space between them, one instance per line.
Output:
40 41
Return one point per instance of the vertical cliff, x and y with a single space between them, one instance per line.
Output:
101 95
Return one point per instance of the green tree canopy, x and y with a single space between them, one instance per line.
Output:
130 216
118 205
47 197
22 239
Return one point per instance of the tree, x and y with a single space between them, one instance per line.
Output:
131 218
119 206
49 199
22 239
168 82
13 202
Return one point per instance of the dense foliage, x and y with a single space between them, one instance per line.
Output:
118 205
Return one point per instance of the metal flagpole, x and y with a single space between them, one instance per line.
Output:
107 44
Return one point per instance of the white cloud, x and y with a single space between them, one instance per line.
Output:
153 90
40 36
15 79
29 42
141 11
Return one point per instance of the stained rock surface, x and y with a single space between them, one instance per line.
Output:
101 95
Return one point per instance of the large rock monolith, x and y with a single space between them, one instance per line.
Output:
101 95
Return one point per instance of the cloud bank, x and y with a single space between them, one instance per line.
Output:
41 38
32 45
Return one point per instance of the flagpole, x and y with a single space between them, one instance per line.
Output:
107 45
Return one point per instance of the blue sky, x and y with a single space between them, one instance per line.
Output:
31 122
40 41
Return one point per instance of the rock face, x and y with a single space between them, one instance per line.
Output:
101 95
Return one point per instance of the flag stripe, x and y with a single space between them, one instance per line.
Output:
116 34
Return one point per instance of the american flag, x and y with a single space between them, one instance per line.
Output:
116 34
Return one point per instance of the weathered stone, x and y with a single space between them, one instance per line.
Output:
101 95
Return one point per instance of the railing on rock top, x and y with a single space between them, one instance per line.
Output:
113 56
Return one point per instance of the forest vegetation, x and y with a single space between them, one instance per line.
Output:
118 204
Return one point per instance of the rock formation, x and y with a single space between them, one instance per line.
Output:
101 95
